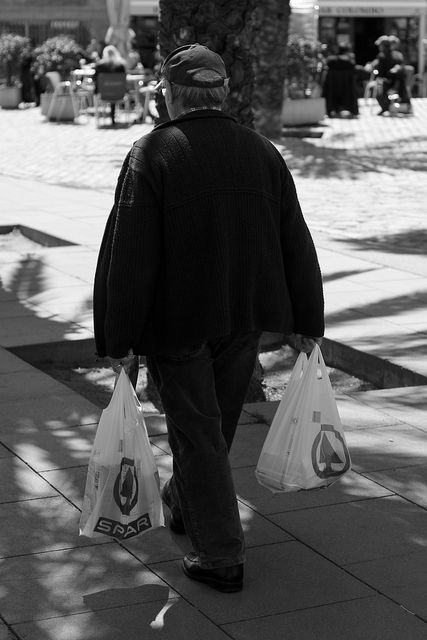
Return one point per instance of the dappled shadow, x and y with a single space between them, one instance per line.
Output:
46 436
409 242
392 306
310 160
337 275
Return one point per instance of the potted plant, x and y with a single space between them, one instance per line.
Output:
60 54
303 103
12 49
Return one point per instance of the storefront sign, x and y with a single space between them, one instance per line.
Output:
64 24
380 8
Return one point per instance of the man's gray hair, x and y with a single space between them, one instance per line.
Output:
193 97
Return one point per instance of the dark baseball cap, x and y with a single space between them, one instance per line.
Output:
194 65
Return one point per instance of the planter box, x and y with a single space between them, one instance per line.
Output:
62 108
10 97
303 111
45 99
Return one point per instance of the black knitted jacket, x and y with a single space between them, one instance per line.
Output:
206 237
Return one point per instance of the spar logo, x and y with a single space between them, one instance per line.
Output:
125 493
329 453
126 487
122 531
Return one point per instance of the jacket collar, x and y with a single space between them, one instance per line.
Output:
195 115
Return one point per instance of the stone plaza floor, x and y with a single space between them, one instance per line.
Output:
345 562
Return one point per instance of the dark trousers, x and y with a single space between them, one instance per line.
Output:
203 389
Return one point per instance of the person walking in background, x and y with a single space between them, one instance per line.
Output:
339 87
111 62
205 247
389 69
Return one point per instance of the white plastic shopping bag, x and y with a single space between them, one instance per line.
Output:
305 447
122 495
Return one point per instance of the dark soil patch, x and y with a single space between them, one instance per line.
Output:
95 381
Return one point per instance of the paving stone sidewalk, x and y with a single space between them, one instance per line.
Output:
346 562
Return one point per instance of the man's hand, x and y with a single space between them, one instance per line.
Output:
125 362
305 343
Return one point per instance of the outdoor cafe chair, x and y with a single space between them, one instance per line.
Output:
111 88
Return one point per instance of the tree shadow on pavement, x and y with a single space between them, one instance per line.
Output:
412 242
310 160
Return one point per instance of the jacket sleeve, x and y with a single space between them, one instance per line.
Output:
128 265
301 265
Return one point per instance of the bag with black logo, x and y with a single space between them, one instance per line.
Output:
122 495
305 447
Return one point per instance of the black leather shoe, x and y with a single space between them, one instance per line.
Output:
225 579
176 523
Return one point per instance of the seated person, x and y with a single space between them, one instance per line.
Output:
339 87
389 66
111 62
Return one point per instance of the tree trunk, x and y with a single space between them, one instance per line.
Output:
270 35
224 26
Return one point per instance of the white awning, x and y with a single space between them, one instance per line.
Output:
303 6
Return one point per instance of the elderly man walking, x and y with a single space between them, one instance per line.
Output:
205 248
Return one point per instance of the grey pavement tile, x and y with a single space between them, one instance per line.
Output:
42 524
59 410
337 282
349 488
69 301
247 444
158 545
409 482
362 619
387 447
172 619
382 274
45 449
337 302
69 482
5 633
366 333
9 363
5 453
259 530
30 384
407 404
19 482
359 531
354 414
402 578
36 329
65 582
14 309
278 578
32 276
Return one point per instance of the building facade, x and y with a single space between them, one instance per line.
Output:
41 19
358 23
355 22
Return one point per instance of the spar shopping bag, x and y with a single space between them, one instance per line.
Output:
122 496
305 447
